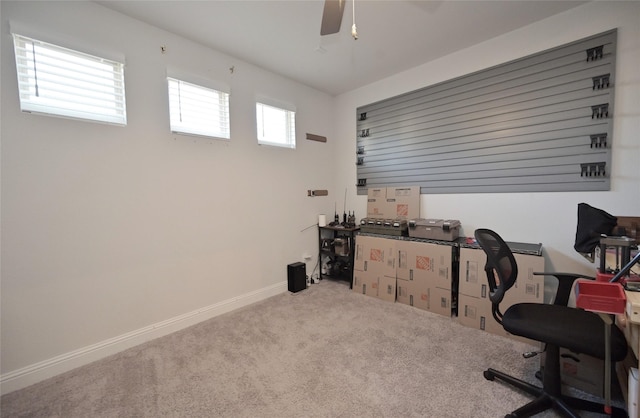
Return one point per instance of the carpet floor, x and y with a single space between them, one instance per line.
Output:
321 352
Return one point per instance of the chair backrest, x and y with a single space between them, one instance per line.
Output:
500 262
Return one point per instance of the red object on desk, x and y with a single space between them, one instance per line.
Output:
606 277
599 296
603 277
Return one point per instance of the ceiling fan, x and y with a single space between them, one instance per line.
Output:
332 17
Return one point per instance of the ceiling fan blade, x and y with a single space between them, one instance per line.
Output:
332 16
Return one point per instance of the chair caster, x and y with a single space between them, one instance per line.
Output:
489 376
511 416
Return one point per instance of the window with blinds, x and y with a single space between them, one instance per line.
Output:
537 124
198 110
275 126
58 81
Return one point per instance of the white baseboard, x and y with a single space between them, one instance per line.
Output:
37 372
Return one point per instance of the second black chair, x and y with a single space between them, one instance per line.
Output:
556 325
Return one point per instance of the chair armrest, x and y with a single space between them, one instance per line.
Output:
565 284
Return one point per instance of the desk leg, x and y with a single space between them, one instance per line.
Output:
607 361
633 405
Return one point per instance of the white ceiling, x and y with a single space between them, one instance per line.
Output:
283 36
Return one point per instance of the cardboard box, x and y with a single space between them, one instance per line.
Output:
420 296
375 254
393 202
474 305
473 279
387 288
628 226
371 284
581 371
440 301
366 284
425 262
403 202
475 312
413 294
377 207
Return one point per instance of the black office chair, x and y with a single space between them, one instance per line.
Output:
556 325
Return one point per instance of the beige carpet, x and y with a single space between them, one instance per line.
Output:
322 352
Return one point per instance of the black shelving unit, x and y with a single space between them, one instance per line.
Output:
337 246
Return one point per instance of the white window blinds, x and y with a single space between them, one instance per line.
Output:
276 126
198 110
59 81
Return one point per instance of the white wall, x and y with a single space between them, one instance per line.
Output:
113 235
547 218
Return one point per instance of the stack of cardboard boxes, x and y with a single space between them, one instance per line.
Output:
374 270
414 273
474 306
424 276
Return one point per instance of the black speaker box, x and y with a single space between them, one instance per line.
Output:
297 276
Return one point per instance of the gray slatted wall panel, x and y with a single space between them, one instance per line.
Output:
540 123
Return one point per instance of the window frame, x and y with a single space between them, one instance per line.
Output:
68 83
289 124
222 128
